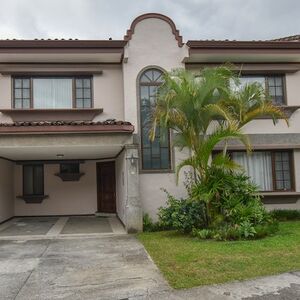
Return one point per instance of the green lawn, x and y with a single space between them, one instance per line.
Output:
188 262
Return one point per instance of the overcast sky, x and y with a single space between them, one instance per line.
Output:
196 19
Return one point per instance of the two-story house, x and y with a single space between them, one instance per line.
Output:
73 138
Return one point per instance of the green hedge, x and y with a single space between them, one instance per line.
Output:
286 214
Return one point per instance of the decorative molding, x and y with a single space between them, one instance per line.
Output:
140 18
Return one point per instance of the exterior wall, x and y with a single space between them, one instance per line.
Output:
108 93
65 198
152 44
121 186
151 186
6 190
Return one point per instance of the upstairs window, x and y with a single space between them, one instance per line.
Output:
273 84
156 153
52 92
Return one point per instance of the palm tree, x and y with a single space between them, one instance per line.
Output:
187 104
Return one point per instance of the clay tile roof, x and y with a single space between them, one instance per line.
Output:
291 38
110 125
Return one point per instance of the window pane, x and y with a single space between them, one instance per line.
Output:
283 172
52 92
26 93
79 103
79 93
87 83
87 93
26 103
18 83
258 166
28 180
87 103
18 93
79 83
38 180
26 83
18 103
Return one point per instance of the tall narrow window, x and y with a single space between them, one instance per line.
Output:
33 180
156 153
22 92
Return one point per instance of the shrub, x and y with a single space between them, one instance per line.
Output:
286 214
182 214
232 199
150 226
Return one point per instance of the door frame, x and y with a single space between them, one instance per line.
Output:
98 166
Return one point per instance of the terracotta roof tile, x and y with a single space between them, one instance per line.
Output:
64 123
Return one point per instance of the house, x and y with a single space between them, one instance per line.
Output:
73 131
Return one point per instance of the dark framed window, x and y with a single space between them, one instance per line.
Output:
273 84
83 92
270 170
69 168
52 92
22 92
33 180
156 153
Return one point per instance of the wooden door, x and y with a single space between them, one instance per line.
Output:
106 187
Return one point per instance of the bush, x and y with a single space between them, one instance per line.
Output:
150 226
233 199
182 214
286 214
244 231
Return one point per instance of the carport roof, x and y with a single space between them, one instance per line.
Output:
108 126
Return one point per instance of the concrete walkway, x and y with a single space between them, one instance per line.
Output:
110 267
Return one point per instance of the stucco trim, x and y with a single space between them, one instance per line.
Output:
140 18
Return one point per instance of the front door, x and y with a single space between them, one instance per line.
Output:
106 187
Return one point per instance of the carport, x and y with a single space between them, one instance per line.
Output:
105 180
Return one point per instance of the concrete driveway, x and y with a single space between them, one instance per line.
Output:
114 267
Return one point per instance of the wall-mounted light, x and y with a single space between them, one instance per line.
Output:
133 164
60 156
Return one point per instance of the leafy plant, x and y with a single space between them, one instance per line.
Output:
182 214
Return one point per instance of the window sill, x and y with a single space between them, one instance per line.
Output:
69 176
280 197
33 198
62 114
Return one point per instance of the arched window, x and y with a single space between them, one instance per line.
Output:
156 153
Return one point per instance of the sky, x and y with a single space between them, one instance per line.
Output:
102 19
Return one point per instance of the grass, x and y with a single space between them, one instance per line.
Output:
187 262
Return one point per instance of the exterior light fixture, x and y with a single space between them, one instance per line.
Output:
60 155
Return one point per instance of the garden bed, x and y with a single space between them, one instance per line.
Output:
187 262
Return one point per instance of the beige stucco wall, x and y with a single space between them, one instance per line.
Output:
65 198
151 185
6 190
121 186
152 44
108 93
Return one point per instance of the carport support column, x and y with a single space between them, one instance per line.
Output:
133 209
